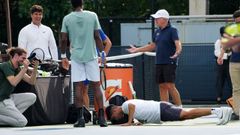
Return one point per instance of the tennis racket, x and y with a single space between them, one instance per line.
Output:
40 55
103 80
134 96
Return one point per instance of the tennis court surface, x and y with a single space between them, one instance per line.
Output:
200 126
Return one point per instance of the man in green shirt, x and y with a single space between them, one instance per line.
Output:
82 28
11 73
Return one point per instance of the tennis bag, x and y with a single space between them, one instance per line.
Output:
73 113
117 100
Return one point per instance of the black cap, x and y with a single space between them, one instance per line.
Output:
222 30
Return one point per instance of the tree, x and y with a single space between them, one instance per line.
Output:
223 6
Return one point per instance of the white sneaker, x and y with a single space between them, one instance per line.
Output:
226 115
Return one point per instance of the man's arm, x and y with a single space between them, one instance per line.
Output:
32 79
231 42
64 41
108 44
178 49
220 57
22 39
98 40
14 80
53 47
131 111
149 47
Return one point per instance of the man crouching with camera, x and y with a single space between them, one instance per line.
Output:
11 73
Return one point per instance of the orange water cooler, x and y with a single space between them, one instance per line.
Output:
118 76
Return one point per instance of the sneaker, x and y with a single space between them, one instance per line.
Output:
226 115
101 119
234 117
80 123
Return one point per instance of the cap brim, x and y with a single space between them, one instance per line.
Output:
154 16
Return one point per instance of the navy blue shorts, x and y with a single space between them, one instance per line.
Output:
169 112
165 73
86 82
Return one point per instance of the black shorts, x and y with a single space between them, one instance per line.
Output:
169 112
165 73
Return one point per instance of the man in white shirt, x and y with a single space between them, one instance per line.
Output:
38 37
149 111
222 69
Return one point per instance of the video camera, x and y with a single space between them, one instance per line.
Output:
33 57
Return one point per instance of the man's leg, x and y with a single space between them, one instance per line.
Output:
174 94
78 76
194 113
10 115
224 114
79 103
169 76
23 100
93 74
163 91
220 82
85 94
99 99
235 77
169 112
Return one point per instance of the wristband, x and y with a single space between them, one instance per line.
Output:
63 55
103 53
103 56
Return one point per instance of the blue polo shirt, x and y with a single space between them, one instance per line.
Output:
165 44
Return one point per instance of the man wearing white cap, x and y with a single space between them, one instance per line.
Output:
168 48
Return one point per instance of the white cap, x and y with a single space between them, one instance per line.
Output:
161 14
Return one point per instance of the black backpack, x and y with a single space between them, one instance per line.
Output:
117 100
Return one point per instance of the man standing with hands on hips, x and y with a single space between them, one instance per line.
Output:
81 27
168 48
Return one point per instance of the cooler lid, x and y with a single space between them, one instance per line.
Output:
119 65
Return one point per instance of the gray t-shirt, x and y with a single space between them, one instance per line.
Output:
145 110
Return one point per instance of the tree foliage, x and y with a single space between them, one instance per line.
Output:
136 8
223 6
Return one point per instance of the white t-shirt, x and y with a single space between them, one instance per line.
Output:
145 110
33 36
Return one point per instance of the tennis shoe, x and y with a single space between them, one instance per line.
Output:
226 115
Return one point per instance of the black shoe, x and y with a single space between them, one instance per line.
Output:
102 122
234 117
94 118
80 123
101 119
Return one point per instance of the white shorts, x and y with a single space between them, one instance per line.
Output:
87 70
